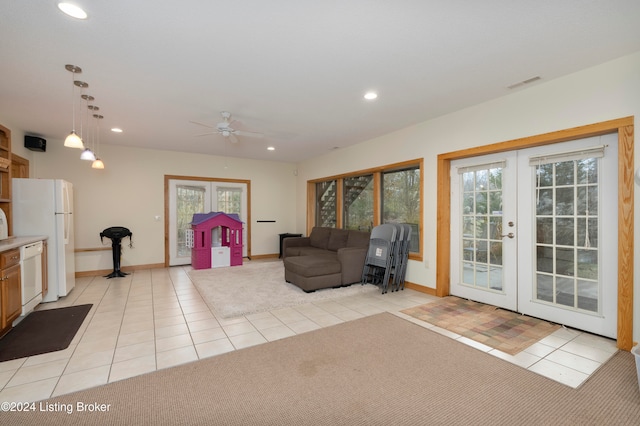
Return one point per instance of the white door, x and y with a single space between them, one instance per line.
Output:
187 197
483 218
535 231
568 259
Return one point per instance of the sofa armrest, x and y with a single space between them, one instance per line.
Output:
352 262
294 242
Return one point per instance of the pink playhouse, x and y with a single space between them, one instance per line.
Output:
216 240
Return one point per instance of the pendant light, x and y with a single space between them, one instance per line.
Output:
73 140
87 154
97 163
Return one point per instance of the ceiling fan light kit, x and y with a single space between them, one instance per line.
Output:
225 130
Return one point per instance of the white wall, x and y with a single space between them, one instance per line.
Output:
605 92
129 192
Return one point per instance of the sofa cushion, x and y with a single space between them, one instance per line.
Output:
312 266
358 239
320 237
309 251
338 239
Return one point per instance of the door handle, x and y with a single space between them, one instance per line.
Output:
510 235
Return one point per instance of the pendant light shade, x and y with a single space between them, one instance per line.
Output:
97 164
73 141
87 154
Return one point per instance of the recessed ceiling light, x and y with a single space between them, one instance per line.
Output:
116 130
72 10
370 96
271 148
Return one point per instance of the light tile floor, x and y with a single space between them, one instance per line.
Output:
155 319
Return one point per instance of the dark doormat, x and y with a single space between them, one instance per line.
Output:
44 331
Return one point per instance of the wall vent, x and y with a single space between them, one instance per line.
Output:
523 82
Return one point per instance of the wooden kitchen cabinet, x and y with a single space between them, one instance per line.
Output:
5 176
10 289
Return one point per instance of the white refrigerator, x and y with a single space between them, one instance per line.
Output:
45 207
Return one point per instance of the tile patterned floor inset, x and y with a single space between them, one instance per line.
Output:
506 331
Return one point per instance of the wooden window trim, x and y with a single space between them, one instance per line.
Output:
377 213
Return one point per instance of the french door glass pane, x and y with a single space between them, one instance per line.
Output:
567 219
229 200
189 200
482 228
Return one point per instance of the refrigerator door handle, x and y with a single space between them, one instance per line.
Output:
67 223
67 212
65 233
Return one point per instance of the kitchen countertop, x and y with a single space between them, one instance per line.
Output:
15 242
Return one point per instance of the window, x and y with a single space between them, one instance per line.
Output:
358 203
401 200
365 199
326 203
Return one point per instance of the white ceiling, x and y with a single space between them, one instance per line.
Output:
293 70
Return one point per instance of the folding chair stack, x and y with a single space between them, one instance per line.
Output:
402 258
380 257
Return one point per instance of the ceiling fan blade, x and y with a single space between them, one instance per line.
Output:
201 124
233 138
206 134
249 134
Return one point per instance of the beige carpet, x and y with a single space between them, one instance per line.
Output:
259 286
379 370
506 331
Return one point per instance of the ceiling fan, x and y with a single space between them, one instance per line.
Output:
224 129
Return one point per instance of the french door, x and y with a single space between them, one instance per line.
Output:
535 231
187 197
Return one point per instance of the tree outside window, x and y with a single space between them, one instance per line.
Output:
401 200
358 202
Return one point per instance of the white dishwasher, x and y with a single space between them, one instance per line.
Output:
31 276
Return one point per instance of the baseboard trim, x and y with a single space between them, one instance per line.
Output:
422 289
80 274
264 256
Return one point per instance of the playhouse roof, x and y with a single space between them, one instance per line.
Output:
199 218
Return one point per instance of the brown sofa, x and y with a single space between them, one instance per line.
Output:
327 258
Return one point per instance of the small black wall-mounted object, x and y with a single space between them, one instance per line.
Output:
116 234
35 143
